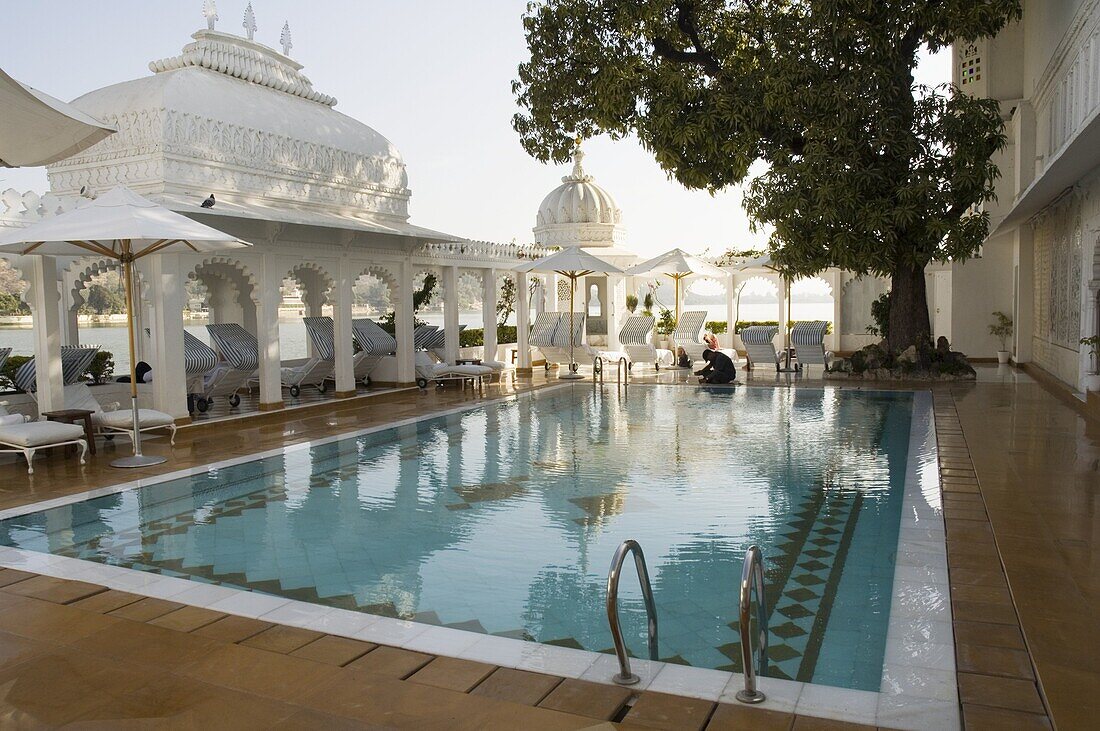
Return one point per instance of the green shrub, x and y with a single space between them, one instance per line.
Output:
880 313
666 323
7 374
474 337
102 367
717 327
742 324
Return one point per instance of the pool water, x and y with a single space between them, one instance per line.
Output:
503 519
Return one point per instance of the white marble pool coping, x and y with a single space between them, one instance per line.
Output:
918 689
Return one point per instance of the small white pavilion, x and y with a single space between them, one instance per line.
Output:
323 198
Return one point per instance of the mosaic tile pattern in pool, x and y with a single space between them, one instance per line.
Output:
502 520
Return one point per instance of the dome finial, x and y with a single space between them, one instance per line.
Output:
578 173
210 12
249 23
285 40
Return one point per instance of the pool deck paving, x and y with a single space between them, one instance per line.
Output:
1019 474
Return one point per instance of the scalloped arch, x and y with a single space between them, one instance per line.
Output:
298 271
241 274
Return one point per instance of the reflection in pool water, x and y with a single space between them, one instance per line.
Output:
503 519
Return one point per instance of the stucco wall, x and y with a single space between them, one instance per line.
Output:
980 287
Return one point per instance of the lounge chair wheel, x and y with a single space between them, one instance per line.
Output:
234 400
202 405
546 366
656 366
321 387
422 382
366 381
294 391
574 367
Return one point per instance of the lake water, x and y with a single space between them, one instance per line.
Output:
292 333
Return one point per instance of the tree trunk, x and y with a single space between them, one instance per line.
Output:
909 324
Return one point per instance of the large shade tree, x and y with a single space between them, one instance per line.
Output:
864 170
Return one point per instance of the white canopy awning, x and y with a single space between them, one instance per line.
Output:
37 129
572 262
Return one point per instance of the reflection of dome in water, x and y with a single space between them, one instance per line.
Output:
579 213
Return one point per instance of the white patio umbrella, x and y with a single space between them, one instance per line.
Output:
124 226
679 265
37 129
572 263
765 262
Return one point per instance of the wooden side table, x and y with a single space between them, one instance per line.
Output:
71 416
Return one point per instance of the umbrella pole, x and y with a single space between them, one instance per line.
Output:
571 374
138 459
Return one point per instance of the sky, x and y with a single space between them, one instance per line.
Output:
433 76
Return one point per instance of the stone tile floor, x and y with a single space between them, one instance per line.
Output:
1019 469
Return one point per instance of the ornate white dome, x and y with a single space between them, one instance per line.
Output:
579 213
236 118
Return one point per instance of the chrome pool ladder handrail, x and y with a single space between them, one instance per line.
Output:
624 676
752 577
622 370
597 368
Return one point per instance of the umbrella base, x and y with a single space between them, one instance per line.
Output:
570 376
138 460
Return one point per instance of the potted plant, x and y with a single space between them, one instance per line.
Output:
631 303
1002 330
1092 378
647 304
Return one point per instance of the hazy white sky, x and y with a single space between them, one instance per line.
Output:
431 75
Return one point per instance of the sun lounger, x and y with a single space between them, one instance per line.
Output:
636 338
208 377
19 435
428 371
239 359
240 349
543 330
374 345
109 419
558 350
75 360
759 343
688 334
424 335
808 341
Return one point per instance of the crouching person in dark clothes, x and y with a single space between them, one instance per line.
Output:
719 368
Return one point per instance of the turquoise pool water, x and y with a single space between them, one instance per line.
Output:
503 519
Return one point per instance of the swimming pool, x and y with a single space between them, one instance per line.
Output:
502 519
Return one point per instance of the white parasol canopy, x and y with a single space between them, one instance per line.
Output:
679 265
124 226
572 263
37 129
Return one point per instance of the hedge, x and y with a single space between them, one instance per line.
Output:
742 324
474 337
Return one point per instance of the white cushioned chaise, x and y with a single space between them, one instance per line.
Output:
17 435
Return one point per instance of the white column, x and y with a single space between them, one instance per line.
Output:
616 309
450 313
1025 304
70 321
403 322
523 324
42 297
267 333
836 283
489 312
169 380
731 310
341 322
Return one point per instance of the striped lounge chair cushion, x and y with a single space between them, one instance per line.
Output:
758 334
636 331
809 333
198 357
237 345
323 334
372 338
542 331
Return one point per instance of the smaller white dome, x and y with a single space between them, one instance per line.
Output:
578 212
